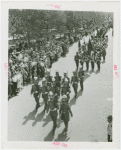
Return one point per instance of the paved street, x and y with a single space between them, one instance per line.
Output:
90 109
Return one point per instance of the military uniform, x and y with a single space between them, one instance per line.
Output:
53 107
87 61
64 113
54 89
36 92
49 81
81 78
63 80
66 91
76 58
58 83
82 59
44 91
74 81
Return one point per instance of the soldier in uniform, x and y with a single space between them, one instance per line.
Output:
87 60
64 113
58 82
48 78
74 82
36 92
76 58
54 89
65 77
66 89
44 91
98 58
53 107
92 59
81 58
81 77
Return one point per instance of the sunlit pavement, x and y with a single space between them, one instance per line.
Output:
90 109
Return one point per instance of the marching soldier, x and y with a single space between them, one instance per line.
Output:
53 107
81 77
92 59
48 78
64 97
44 91
64 112
98 58
76 58
87 60
58 82
66 89
82 58
65 77
54 89
74 82
36 92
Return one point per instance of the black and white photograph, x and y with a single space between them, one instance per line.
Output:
60 74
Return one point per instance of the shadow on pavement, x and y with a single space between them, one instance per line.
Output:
62 137
49 137
59 122
73 100
91 71
38 118
47 120
31 116
97 71
87 75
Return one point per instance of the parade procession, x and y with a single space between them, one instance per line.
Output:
34 71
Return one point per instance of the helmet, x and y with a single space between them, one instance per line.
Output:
51 93
35 78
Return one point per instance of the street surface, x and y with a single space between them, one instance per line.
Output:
90 109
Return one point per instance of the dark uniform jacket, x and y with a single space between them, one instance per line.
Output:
52 105
65 90
64 111
81 74
76 58
35 90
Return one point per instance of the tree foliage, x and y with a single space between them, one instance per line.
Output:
39 23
